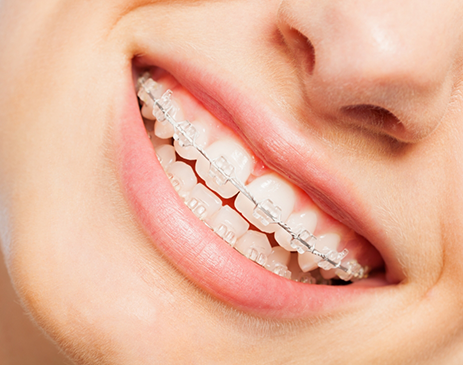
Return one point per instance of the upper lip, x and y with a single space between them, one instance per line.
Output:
299 158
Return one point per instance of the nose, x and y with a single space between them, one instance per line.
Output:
386 66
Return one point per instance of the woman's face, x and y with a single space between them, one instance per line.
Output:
354 108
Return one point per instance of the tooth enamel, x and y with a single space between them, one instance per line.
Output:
162 127
182 177
203 202
306 220
232 158
277 262
276 195
152 87
166 155
308 261
147 112
229 225
255 246
201 139
156 141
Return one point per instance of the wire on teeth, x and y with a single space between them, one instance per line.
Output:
220 169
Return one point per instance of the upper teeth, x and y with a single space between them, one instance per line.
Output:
225 166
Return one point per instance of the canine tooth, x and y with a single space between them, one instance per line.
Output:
166 155
182 177
201 140
305 220
308 261
203 202
234 159
278 261
255 246
274 192
229 225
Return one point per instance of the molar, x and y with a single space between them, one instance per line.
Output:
203 202
182 178
277 196
233 157
308 261
229 225
255 246
305 220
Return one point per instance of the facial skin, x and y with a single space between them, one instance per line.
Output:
373 90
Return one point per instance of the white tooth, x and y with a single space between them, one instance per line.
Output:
308 261
147 111
163 128
156 141
201 139
278 261
203 202
233 158
166 155
182 178
305 220
154 88
255 246
277 196
229 225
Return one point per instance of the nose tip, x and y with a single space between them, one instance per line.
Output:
390 75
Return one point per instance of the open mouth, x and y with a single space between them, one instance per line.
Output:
197 162
250 207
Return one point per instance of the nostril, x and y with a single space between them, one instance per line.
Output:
302 49
373 116
309 53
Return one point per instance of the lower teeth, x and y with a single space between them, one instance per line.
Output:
205 204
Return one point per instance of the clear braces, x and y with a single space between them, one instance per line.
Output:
266 211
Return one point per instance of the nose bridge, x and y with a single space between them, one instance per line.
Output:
395 56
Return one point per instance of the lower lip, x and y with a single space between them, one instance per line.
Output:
201 255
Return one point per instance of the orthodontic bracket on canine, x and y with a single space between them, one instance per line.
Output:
266 211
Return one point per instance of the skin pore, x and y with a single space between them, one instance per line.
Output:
367 92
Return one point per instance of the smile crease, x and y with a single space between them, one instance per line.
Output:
265 204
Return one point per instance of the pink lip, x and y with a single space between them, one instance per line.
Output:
193 248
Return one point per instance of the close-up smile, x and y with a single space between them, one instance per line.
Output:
230 191
231 182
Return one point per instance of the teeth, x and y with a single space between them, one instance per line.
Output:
308 261
201 138
255 246
182 178
203 202
155 89
147 112
156 141
162 128
229 225
232 159
278 261
277 198
267 202
166 155
306 220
